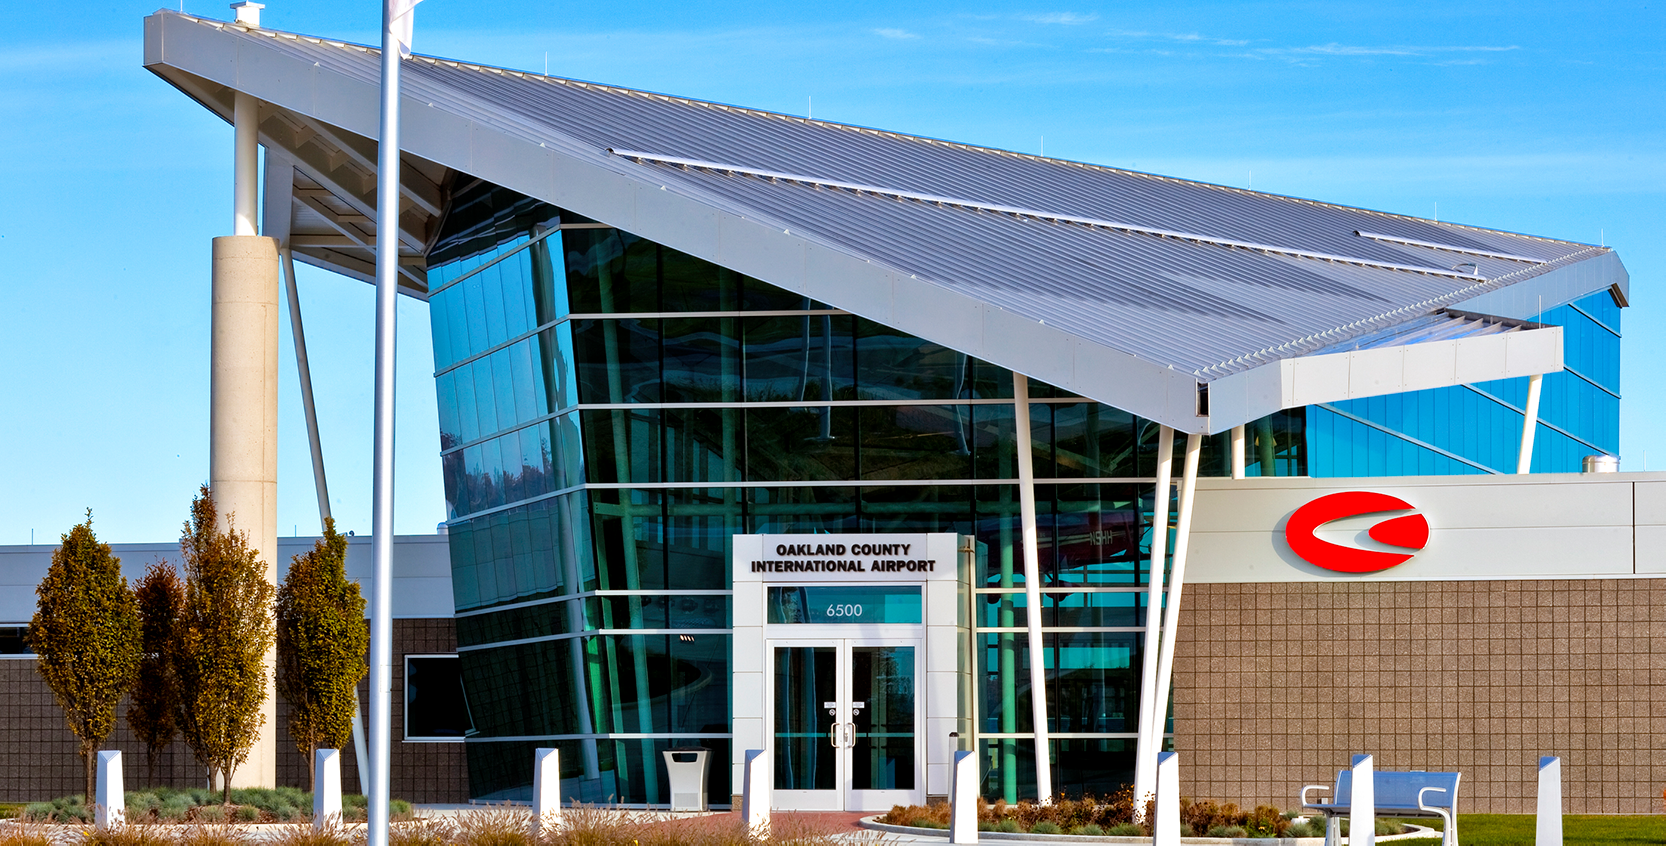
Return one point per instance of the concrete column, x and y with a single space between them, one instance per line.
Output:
243 430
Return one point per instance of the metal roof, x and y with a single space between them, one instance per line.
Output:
1127 287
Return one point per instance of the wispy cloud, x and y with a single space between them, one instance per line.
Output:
1180 38
898 34
1404 50
1066 18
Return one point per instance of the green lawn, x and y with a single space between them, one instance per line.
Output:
1577 830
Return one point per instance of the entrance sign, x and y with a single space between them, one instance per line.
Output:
851 664
1410 532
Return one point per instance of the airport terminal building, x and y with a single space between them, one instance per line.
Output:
761 432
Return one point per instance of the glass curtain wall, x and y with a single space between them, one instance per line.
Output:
1470 429
612 412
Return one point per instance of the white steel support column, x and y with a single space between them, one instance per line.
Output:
298 334
1145 753
1238 452
1032 587
245 121
387 280
243 395
1529 423
1177 583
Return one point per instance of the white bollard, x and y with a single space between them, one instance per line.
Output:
546 791
1362 816
1549 828
326 788
754 803
963 798
1165 829
110 803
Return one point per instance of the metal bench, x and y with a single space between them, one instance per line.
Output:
1397 794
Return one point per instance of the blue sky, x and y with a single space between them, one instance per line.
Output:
1545 118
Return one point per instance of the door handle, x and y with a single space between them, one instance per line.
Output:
833 735
850 735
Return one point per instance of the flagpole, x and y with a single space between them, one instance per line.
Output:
381 518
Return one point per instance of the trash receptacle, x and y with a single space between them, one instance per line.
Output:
685 769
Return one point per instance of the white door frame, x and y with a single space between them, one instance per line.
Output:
843 795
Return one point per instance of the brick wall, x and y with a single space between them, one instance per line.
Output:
38 758
1277 685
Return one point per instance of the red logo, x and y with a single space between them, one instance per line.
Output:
1410 531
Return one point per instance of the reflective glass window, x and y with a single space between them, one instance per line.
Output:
814 443
915 442
1004 682
703 444
894 365
622 445
917 508
627 528
690 284
801 510
1093 681
798 358
611 272
618 360
701 525
702 359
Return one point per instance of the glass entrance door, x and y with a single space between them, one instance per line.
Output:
844 725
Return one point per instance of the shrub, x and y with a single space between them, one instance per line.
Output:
1265 821
224 634
1008 826
1234 831
125 835
496 827
333 834
153 710
1186 830
1389 827
248 813
213 835
86 632
25 834
211 814
1088 830
426 832
1127 829
321 639
1046 827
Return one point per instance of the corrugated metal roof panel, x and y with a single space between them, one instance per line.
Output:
1200 308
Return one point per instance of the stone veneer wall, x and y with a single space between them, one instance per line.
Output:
1276 686
38 759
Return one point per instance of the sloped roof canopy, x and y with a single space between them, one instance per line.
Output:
1198 306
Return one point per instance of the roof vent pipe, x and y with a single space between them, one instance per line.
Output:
248 13
1601 464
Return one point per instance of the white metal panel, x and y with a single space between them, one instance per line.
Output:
1317 378
1376 372
1430 366
1650 542
1481 359
1533 352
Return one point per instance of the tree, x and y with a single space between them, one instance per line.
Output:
224 635
322 638
86 632
153 712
